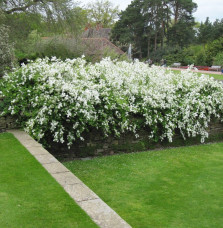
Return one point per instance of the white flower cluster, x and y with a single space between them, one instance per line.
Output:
63 99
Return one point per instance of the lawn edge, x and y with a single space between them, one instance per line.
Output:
95 207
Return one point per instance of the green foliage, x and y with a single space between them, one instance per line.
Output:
213 49
102 12
130 28
218 59
194 54
217 29
60 47
76 21
205 32
21 25
63 48
197 54
200 59
148 26
30 48
181 33
6 51
2 17
208 32
29 20
173 55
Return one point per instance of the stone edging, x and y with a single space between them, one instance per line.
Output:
97 209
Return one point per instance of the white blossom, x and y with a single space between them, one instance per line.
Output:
69 97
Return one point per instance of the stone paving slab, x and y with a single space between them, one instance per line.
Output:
30 143
45 158
103 215
20 134
80 192
56 167
98 210
66 178
38 151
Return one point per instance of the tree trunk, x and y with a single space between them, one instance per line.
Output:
148 51
176 12
162 34
155 42
140 52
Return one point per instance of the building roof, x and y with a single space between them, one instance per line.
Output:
97 32
90 46
99 45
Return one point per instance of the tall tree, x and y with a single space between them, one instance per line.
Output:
205 32
102 12
159 22
151 18
30 20
181 31
130 27
59 15
217 28
182 9
15 6
157 17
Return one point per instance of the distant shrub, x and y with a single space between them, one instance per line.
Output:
218 59
213 49
194 54
200 59
60 47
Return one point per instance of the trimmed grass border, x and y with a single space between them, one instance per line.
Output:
174 188
29 196
215 76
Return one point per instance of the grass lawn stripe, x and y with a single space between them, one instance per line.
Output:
29 196
215 76
180 187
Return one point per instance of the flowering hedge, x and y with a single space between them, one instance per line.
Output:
65 99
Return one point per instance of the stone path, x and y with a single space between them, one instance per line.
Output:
98 210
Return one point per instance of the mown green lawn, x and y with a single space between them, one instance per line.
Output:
215 76
29 196
174 188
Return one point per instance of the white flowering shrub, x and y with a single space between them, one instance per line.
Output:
62 100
